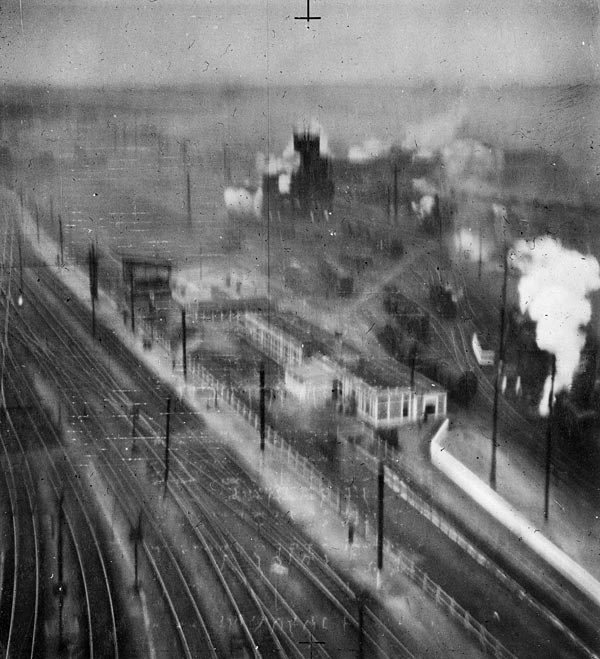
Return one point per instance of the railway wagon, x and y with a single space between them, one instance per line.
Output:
408 315
444 300
461 385
336 278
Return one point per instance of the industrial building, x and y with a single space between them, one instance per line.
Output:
383 397
322 369
308 191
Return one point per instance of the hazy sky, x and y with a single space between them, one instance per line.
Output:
468 42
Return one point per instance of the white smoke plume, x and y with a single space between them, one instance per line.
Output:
424 207
242 201
471 246
553 289
284 183
274 165
469 159
424 187
368 150
432 135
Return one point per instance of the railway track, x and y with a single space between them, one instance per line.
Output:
261 611
166 570
20 597
99 637
218 536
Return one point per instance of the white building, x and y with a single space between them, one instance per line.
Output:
320 370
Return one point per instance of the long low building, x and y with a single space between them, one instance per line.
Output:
320 368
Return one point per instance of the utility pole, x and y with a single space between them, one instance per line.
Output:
549 440
395 193
499 367
136 538
93 272
413 364
131 300
480 248
189 200
135 413
380 492
361 623
438 213
60 589
20 263
60 238
388 205
262 406
166 477
183 344
37 222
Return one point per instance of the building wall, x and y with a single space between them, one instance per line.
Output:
380 407
311 388
273 341
390 407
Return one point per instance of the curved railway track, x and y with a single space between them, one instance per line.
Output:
123 401
20 638
211 545
96 592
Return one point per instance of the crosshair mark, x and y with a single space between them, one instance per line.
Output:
308 16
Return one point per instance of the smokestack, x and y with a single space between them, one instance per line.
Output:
395 193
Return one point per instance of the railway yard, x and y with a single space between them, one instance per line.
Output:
165 495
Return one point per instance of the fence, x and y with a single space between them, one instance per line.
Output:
330 495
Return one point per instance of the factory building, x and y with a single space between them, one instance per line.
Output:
308 190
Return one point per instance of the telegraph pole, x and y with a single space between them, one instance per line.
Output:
131 300
395 193
189 200
60 589
136 537
499 367
413 364
380 492
93 272
262 406
480 248
61 240
37 222
166 477
183 344
361 622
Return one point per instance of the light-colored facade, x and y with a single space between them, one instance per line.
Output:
381 396
484 357
277 342
388 407
311 382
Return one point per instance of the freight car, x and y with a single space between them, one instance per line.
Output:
461 385
337 279
444 300
408 315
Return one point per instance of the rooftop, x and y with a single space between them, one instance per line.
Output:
386 374
376 373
